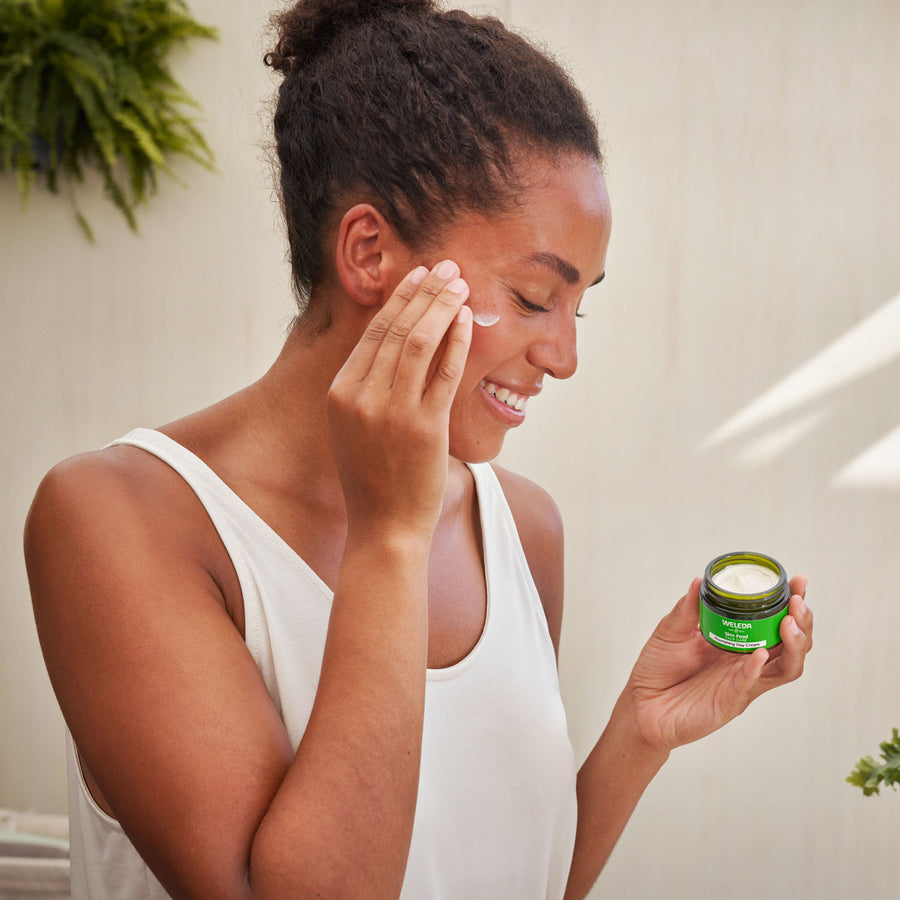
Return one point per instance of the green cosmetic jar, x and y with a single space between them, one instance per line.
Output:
743 598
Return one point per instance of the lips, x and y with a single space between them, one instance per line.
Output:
509 398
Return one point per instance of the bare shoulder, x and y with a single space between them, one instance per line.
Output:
105 522
116 475
534 510
540 528
107 502
103 528
80 500
113 474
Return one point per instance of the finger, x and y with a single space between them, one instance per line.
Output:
427 341
803 616
798 585
440 392
434 282
684 619
359 363
421 324
748 673
789 664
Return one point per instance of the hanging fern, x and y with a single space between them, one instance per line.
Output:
86 82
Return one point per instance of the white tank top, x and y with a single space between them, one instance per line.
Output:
496 809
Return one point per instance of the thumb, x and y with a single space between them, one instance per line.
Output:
684 619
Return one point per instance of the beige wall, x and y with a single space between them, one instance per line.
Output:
132 331
753 283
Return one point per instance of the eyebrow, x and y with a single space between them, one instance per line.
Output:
563 268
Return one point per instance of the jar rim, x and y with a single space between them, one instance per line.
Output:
739 557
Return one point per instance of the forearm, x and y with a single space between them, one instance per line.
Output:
346 807
610 783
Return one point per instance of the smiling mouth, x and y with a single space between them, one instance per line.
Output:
506 396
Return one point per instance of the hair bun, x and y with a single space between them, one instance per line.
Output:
307 28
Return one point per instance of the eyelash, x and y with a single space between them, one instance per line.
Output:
533 307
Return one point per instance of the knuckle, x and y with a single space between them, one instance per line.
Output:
336 397
419 342
398 332
450 298
378 329
430 288
450 372
366 414
359 404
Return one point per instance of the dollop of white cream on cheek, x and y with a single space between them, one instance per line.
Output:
483 313
485 319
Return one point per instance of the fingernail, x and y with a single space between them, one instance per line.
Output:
446 269
795 628
418 275
458 286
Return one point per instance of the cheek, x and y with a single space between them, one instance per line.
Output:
490 346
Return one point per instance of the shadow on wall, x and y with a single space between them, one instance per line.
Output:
870 345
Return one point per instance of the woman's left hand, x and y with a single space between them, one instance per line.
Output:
682 688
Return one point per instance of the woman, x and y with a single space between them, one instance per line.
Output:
304 640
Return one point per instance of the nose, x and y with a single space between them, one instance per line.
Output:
555 348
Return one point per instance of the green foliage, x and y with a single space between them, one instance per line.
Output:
86 82
869 774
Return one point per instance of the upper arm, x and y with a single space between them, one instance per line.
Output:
162 697
540 528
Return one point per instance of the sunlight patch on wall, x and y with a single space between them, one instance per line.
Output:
869 345
878 467
872 343
773 444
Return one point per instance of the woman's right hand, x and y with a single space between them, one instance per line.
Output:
178 725
389 405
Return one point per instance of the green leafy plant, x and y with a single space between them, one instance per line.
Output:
86 82
869 775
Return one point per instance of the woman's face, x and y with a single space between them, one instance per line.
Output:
528 269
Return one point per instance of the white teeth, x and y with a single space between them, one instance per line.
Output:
505 395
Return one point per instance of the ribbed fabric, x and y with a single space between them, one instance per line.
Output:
496 809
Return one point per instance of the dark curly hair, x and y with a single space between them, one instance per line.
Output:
417 110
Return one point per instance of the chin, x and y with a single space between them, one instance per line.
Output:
472 451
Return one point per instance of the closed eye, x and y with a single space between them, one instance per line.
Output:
527 304
534 307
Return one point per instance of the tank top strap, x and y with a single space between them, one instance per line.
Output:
505 559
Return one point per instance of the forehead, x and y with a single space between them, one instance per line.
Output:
559 222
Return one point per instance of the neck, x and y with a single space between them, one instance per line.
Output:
289 402
285 418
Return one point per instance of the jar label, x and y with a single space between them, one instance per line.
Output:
740 635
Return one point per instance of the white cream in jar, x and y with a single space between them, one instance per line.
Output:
745 578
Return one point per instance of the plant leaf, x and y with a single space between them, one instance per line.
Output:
90 80
142 136
870 775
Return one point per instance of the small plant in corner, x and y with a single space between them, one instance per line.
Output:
869 775
87 83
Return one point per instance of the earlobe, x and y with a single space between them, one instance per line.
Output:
364 248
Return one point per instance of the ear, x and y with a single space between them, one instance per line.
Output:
367 252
